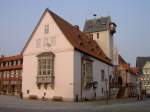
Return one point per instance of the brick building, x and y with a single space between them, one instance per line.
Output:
11 74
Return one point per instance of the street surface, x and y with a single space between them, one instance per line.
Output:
15 104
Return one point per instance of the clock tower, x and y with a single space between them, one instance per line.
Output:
102 30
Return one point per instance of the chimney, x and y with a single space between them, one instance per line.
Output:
77 27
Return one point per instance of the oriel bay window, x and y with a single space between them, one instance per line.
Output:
87 72
45 74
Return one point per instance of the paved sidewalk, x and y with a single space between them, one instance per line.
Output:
15 104
15 99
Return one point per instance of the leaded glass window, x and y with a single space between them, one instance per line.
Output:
87 72
102 75
45 73
46 29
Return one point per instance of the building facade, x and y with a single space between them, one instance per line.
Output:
126 78
143 63
132 82
61 62
11 74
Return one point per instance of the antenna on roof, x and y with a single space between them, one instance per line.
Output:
95 15
48 5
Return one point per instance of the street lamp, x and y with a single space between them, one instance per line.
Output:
95 85
106 83
140 79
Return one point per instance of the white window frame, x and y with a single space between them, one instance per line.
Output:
87 72
46 29
45 70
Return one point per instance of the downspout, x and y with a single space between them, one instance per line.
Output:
81 78
108 83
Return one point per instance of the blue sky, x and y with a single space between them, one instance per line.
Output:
19 17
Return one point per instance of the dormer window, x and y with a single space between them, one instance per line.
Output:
97 47
46 29
81 43
97 35
92 49
91 36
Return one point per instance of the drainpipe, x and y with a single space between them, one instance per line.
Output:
81 78
108 94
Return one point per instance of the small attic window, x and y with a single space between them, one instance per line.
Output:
77 27
81 43
97 47
89 42
79 36
97 35
92 49
46 29
91 36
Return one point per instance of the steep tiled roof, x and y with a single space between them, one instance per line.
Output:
125 66
78 39
121 60
141 61
122 64
10 58
96 25
134 70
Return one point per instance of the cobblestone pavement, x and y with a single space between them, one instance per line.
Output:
15 104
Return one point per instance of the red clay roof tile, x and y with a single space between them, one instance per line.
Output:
11 58
78 39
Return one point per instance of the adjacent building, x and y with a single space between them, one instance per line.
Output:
61 62
11 74
125 79
132 82
143 63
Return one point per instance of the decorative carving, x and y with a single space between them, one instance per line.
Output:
49 41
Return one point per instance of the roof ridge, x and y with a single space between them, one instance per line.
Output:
17 55
101 17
